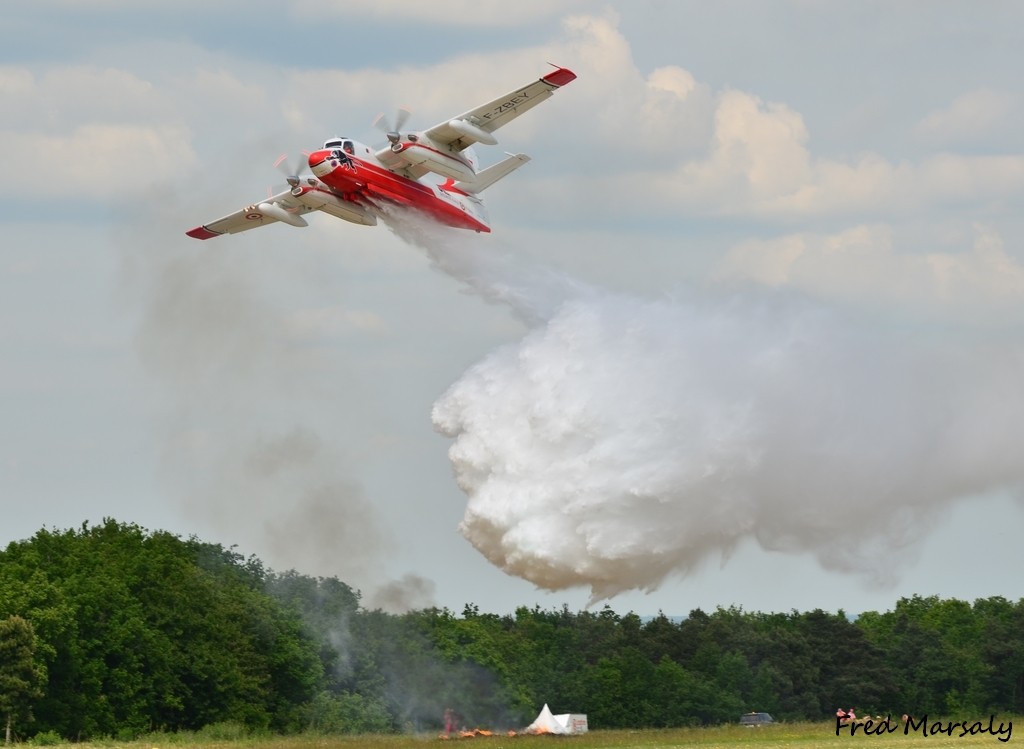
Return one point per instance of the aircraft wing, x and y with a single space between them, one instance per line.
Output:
280 207
477 125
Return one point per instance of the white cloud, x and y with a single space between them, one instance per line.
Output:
97 132
95 161
227 89
759 164
971 117
662 143
983 283
15 81
758 149
614 107
985 275
871 184
64 97
122 8
450 13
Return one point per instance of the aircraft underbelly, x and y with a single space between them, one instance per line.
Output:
363 181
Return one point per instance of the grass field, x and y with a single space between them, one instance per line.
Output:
789 735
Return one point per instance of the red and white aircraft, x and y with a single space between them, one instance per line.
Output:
433 171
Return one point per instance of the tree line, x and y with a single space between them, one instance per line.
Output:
112 630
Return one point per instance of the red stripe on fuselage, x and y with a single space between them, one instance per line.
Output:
370 180
449 186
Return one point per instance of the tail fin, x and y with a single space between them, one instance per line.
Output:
493 173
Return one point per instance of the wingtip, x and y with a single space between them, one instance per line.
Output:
201 232
559 76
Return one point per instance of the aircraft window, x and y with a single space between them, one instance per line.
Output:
332 144
348 147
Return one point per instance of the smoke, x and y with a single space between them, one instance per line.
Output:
533 294
411 592
249 450
624 440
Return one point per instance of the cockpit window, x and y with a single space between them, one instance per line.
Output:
348 147
336 143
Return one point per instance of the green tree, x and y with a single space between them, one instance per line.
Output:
146 631
330 714
1000 646
20 675
931 646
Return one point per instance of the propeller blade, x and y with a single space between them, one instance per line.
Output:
291 173
402 117
382 123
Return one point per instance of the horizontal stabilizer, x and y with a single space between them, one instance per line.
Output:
493 173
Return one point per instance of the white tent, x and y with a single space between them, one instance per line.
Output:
566 724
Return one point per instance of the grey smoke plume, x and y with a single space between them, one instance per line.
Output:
410 593
625 440
248 450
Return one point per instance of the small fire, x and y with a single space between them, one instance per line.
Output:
473 734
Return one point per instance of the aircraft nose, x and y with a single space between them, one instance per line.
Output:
321 163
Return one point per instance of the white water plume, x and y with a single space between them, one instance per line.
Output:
623 440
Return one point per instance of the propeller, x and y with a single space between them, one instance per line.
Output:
291 174
381 123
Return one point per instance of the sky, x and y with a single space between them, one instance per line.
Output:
747 330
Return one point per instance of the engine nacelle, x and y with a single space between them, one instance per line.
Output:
467 128
425 154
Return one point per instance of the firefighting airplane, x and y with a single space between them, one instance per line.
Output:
433 171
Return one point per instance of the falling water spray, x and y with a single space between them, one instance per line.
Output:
624 440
